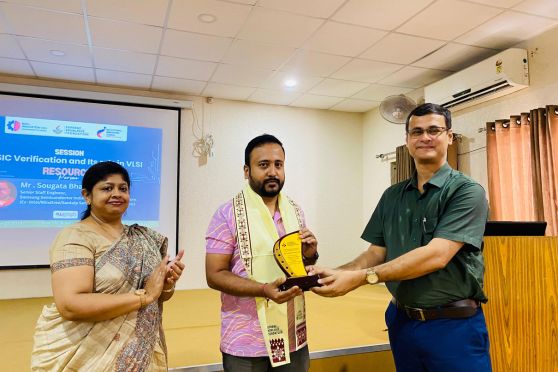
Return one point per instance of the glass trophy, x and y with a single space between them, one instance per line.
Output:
288 255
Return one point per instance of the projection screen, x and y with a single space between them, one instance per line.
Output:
47 144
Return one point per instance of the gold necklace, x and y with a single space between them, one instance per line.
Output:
102 224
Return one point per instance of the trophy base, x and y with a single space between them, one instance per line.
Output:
302 282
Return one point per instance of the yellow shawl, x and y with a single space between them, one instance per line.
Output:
256 234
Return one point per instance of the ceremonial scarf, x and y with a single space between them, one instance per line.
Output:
256 234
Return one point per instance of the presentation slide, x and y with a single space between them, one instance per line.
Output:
46 146
43 162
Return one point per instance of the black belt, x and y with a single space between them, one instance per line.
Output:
454 310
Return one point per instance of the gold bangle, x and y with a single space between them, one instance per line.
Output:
141 294
263 291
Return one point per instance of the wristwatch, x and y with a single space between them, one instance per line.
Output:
371 276
141 293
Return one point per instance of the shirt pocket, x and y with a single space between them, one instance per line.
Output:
429 224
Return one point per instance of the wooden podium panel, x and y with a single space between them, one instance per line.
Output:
521 282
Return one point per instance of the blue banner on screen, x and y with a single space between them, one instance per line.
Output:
42 163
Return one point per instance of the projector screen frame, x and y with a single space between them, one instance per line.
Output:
114 100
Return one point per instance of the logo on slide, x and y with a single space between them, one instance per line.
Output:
14 125
58 129
100 132
72 215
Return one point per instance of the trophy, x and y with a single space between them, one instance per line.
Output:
288 254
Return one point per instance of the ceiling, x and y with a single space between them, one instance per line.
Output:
345 55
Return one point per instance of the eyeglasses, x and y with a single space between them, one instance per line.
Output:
432 132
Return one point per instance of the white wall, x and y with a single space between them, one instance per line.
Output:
380 136
323 174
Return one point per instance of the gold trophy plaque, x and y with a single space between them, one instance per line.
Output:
288 255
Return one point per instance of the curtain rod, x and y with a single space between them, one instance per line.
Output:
384 155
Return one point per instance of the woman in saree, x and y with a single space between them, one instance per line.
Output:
109 283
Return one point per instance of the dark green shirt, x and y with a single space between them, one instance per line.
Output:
453 207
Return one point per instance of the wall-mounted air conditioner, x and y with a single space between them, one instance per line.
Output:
501 74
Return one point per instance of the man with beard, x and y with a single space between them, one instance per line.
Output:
259 329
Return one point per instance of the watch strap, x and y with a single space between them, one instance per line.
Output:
310 260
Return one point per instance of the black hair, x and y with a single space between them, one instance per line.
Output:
257 142
430 108
99 172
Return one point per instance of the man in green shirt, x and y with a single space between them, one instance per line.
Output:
425 240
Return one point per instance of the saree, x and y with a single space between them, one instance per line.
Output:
130 342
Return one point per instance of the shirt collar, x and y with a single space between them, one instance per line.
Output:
412 182
438 179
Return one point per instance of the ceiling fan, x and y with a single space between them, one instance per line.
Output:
395 109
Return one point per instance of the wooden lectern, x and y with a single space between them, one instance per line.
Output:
521 281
